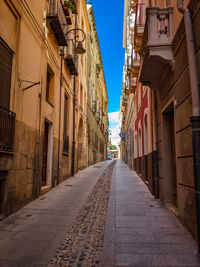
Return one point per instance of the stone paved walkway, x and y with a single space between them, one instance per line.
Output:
84 242
140 231
31 236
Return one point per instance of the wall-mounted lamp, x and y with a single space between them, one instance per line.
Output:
76 39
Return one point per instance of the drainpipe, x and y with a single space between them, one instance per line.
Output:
61 79
195 119
73 134
74 111
155 173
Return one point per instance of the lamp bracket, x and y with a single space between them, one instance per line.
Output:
32 84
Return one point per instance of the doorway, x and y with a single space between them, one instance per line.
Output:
145 148
3 176
81 154
47 154
169 156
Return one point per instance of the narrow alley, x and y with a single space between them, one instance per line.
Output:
103 216
99 133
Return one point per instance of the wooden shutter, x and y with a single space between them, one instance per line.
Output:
5 74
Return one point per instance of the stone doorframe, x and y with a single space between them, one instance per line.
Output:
167 153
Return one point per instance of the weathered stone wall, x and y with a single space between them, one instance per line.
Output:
176 87
20 168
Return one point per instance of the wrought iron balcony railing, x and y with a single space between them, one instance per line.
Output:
7 129
57 20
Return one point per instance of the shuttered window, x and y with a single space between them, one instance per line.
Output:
5 74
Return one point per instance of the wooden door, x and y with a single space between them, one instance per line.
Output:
44 154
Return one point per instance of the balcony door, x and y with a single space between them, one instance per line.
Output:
5 74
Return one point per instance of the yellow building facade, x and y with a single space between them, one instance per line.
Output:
97 97
43 98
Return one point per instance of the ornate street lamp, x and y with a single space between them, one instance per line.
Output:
76 39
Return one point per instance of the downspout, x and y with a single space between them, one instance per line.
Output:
195 118
74 112
155 172
61 79
73 134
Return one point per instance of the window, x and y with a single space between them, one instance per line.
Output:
5 74
50 85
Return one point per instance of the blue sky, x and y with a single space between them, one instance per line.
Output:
109 23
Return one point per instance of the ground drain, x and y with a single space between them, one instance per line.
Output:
83 243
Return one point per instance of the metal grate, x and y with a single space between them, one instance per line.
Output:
7 129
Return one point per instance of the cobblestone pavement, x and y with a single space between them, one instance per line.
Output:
31 236
140 231
83 243
104 216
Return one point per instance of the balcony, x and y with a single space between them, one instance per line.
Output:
133 7
68 14
156 46
7 129
98 117
124 100
133 84
126 89
72 63
74 11
57 20
135 67
139 26
94 106
128 64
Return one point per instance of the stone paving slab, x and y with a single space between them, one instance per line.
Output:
140 231
31 236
